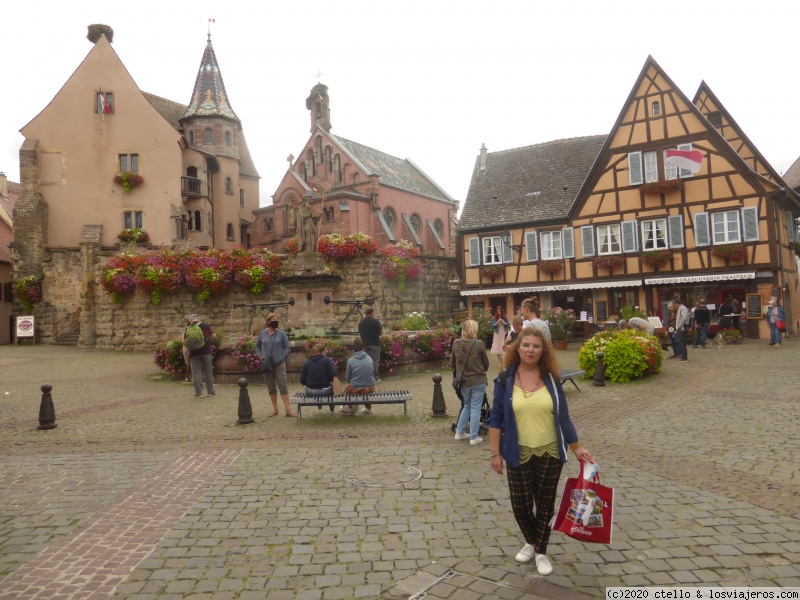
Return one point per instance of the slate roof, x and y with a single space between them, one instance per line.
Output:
393 171
533 183
209 98
792 175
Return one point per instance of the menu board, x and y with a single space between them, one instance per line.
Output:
602 313
754 308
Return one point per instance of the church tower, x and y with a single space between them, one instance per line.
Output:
319 105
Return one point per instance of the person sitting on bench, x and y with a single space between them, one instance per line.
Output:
360 377
318 373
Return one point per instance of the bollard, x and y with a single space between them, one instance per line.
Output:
599 371
245 408
438 407
47 412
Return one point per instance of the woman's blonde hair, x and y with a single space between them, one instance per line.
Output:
548 365
469 329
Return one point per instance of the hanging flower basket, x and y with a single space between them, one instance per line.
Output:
29 291
128 180
662 187
492 272
400 262
551 267
656 258
732 252
609 263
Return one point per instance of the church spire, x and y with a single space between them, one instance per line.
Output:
209 98
318 103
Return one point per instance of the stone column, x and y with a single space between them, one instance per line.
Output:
90 250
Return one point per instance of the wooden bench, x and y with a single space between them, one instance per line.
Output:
301 399
570 374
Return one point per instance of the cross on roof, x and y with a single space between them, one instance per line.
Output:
318 76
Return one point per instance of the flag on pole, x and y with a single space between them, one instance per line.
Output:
685 159
106 107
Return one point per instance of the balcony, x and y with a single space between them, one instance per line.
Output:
192 186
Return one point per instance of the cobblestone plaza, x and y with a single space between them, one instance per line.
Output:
144 492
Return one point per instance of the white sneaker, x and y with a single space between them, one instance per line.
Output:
462 436
477 440
526 554
347 410
543 564
366 411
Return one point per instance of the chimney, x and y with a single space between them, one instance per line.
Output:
483 157
3 185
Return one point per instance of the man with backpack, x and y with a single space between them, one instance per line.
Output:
197 338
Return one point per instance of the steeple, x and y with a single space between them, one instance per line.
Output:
209 98
319 105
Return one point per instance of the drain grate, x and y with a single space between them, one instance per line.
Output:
381 476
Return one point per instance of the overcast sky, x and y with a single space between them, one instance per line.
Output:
428 80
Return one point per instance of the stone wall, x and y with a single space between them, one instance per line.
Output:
137 324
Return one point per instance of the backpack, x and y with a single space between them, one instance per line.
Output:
195 340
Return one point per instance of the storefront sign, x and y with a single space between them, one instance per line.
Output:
25 327
699 278
765 274
586 285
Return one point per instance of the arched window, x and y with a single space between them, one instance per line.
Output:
318 148
227 138
656 108
229 231
310 160
303 171
346 172
209 136
191 137
328 160
337 168
198 225
190 221
390 218
228 185
269 224
356 178
191 172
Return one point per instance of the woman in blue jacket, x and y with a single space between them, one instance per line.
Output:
775 313
530 428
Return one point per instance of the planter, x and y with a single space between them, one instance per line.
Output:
560 344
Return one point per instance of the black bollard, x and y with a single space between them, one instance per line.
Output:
245 408
47 412
438 407
599 371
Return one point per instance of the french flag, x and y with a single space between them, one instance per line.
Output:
691 160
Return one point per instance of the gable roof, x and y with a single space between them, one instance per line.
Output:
170 110
533 183
792 175
393 171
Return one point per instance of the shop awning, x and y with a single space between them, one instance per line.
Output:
699 278
584 285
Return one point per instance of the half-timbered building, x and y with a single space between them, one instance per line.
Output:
674 200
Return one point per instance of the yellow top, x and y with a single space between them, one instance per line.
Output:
534 415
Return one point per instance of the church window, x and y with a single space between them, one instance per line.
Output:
318 148
191 137
227 138
269 224
228 185
328 160
329 214
132 219
128 162
656 108
303 171
229 232
209 136
356 178
438 227
310 160
416 222
390 217
337 168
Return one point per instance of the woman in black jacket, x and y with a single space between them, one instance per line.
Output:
318 373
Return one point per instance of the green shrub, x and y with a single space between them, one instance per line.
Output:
627 354
416 321
627 312
169 357
484 320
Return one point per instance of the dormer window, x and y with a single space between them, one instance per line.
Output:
105 103
656 108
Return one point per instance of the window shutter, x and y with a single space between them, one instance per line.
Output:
789 225
629 240
635 168
568 243
701 235
684 173
531 251
750 223
587 240
508 252
474 251
676 231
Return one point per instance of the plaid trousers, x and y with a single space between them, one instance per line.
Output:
535 483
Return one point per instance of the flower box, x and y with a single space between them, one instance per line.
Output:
662 187
128 180
656 258
335 246
492 272
134 236
551 267
732 252
608 262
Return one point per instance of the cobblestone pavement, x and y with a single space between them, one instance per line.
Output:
143 491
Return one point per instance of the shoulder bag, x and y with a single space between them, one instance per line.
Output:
457 378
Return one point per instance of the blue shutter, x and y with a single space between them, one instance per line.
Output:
630 242
531 251
508 251
750 223
635 168
790 226
568 243
474 252
587 240
676 231
701 234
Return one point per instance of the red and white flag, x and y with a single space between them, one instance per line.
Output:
106 107
684 159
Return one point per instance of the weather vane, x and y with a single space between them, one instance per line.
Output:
318 76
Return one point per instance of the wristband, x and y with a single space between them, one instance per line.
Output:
498 454
574 446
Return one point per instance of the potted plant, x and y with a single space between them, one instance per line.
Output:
732 252
29 291
656 258
492 271
551 267
128 180
662 187
608 262
562 323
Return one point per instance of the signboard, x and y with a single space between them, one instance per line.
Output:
764 273
699 278
655 322
754 308
602 311
25 327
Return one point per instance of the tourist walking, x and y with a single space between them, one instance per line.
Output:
533 317
273 343
370 331
775 313
500 325
469 361
318 373
530 428
360 377
683 323
702 320
197 338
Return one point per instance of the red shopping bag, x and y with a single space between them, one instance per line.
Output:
586 510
